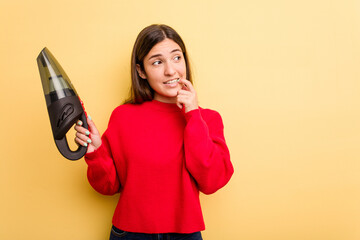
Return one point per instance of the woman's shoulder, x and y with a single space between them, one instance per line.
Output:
123 109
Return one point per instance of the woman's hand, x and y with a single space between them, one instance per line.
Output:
187 97
88 137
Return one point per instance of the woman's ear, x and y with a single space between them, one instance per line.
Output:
140 72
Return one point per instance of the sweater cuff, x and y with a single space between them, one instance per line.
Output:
94 154
193 113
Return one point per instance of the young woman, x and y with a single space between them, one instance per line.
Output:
160 148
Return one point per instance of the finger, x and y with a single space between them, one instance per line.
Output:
179 105
81 142
179 101
184 87
184 101
82 130
83 137
92 126
187 84
184 93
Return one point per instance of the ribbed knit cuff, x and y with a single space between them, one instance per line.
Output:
94 154
193 113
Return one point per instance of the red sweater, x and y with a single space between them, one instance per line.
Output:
159 159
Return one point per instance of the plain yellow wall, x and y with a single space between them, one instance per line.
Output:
283 74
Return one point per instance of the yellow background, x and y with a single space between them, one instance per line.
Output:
283 74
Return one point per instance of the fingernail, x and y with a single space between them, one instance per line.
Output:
79 122
85 145
89 140
89 117
87 132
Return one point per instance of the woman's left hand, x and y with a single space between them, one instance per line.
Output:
187 96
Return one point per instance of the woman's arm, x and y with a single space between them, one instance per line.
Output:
101 171
207 155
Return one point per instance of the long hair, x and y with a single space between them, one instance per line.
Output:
140 89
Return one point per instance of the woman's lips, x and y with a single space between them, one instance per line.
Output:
172 81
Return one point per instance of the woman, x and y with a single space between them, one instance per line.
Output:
160 148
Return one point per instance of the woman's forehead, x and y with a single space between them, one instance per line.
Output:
167 46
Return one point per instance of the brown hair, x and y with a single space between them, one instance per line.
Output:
140 89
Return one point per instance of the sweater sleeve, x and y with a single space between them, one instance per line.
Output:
101 173
207 155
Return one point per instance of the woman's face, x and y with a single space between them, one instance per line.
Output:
164 65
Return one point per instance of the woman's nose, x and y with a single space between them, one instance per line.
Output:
169 69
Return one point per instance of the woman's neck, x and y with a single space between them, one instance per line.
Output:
164 99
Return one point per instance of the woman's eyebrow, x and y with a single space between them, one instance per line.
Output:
159 55
155 55
175 50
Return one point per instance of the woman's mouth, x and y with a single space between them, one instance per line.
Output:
176 80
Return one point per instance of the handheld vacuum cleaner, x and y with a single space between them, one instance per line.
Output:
63 103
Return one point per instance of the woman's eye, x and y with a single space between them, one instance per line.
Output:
177 58
156 63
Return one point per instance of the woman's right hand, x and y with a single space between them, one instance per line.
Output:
88 137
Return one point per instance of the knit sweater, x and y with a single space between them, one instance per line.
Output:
159 158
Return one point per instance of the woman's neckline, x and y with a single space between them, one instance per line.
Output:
163 106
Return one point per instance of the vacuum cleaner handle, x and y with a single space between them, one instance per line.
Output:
63 146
